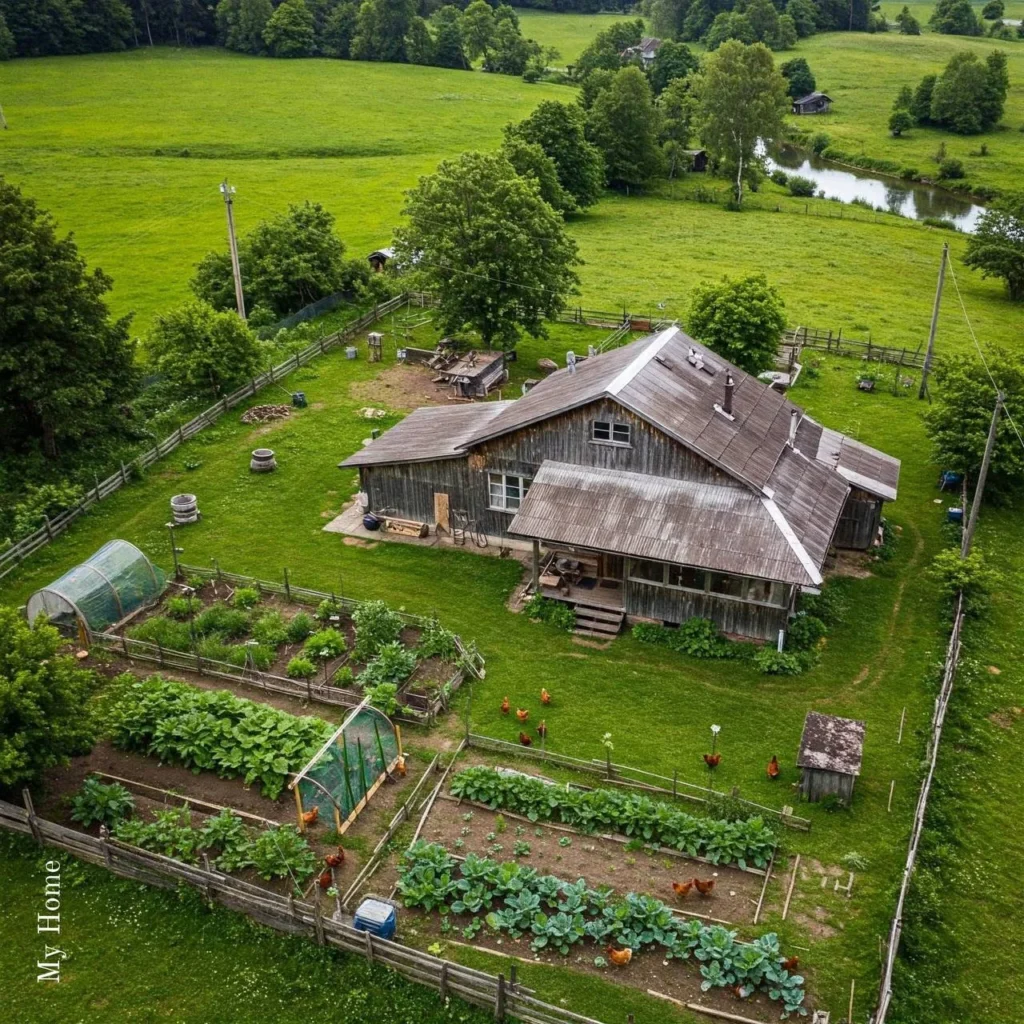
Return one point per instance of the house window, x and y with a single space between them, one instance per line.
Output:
642 570
685 578
610 432
745 588
505 492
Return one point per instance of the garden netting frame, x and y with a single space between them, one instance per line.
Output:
348 769
109 585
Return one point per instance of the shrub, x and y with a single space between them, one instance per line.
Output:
779 176
281 852
222 621
778 663
101 802
270 630
183 608
214 648
393 664
325 644
242 654
376 625
164 632
908 173
170 834
438 642
971 576
555 613
805 632
326 608
950 168
39 502
799 186
700 638
300 627
819 142
300 668
829 606
384 697
246 598
939 222
344 677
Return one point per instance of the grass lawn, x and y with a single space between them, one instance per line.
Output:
862 73
657 705
569 33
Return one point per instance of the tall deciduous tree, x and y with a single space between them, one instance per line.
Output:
45 716
240 24
558 128
672 61
66 368
289 31
478 26
381 28
624 123
969 95
797 73
956 18
997 246
740 320
530 161
676 106
496 255
339 28
741 100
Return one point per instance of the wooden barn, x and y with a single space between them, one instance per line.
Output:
653 481
645 51
474 374
831 751
812 103
378 259
698 159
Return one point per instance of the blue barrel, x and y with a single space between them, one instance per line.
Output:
376 917
299 399
954 515
371 522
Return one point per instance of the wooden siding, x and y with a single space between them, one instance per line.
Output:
816 783
858 524
758 622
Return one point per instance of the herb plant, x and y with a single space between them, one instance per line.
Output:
101 802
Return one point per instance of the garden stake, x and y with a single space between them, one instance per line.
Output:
362 767
892 786
903 718
849 1016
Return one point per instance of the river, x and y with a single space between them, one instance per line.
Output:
906 198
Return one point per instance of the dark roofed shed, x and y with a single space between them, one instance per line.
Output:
831 752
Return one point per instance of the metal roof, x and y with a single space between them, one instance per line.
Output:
429 433
723 527
831 744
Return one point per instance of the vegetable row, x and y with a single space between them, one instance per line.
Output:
557 914
744 842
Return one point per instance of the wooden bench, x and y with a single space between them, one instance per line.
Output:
405 527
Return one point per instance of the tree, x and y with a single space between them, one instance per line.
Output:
530 161
8 48
804 15
797 73
969 95
993 10
201 351
478 27
909 25
672 61
740 320
240 24
729 25
339 29
558 128
448 51
607 46
786 35
45 716
676 107
66 368
286 262
624 123
593 85
904 99
496 255
997 246
419 43
955 18
289 31
764 19
510 52
741 100
958 420
921 108
381 28
900 121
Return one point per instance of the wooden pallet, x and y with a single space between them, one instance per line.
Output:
599 622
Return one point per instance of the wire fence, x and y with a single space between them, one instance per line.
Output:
796 339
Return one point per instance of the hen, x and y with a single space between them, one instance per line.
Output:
326 879
772 771
505 706
335 860
309 817
400 765
790 964
542 729
711 760
522 714
682 888
704 888
545 697
524 739
619 957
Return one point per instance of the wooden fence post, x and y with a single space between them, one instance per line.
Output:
124 474
499 999
442 982
96 480
318 919
104 835
287 585
369 946
181 435
26 796
49 528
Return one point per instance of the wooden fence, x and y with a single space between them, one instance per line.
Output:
932 752
634 778
506 998
416 707
52 528
795 339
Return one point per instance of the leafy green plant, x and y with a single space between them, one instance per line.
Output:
246 598
344 676
778 663
106 803
324 645
520 848
700 638
170 833
227 835
300 627
327 608
282 852
554 613
183 608
224 622
300 668
384 697
971 576
393 664
164 632
805 632
437 642
270 629
376 625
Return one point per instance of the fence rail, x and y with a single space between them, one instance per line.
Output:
818 339
287 914
932 753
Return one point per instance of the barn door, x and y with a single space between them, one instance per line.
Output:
441 512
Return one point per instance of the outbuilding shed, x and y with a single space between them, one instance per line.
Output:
831 751
812 103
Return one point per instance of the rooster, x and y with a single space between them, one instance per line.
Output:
326 879
791 964
522 714
505 706
619 957
309 817
335 860
711 760
542 730
682 889
524 739
545 697
704 888
400 765
772 770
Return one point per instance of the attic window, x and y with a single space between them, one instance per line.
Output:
610 432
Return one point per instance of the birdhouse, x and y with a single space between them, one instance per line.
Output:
375 340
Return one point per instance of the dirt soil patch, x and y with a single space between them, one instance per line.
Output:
400 387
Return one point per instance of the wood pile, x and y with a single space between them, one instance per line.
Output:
266 413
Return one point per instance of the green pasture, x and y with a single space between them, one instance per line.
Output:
570 34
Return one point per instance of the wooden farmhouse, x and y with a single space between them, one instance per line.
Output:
652 481
645 51
831 752
813 103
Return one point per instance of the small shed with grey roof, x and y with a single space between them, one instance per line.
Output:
831 752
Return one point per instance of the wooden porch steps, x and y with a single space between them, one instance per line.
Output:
599 622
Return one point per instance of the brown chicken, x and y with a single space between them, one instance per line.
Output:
522 714
400 765
682 889
619 957
505 706
542 729
326 879
545 697
791 964
704 888
335 860
524 739
309 817
711 760
772 771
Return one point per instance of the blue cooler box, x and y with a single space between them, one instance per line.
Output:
377 917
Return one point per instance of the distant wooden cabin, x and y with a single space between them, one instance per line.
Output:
813 103
698 159
831 751
645 51
654 481
378 259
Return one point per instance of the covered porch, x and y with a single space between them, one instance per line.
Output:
592 582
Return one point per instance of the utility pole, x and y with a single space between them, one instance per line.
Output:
227 192
972 521
930 353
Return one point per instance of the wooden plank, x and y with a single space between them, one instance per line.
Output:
792 883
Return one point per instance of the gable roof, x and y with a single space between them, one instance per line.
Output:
831 744
429 433
812 96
